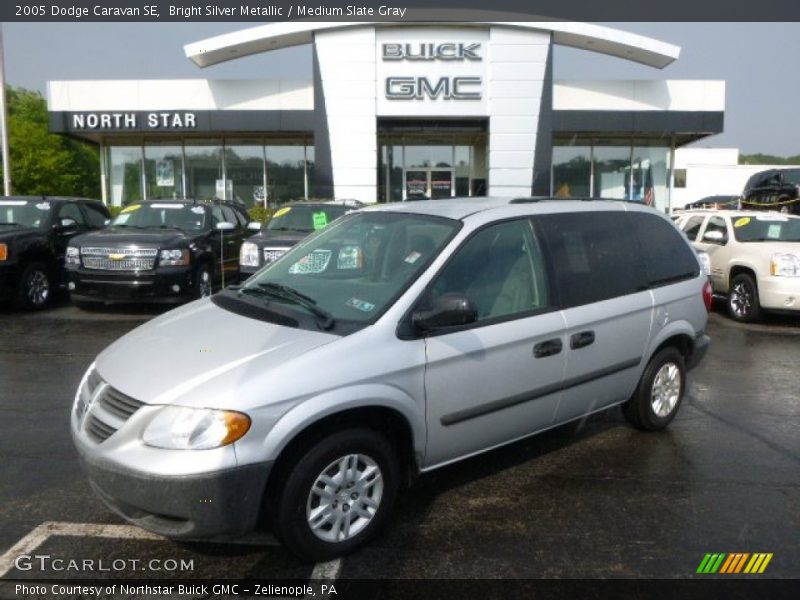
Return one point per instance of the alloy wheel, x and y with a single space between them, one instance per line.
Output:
37 288
666 389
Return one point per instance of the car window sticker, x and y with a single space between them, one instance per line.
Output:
12 203
198 210
320 220
361 305
172 206
741 222
130 209
282 211
774 231
43 206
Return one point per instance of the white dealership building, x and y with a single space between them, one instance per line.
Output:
391 111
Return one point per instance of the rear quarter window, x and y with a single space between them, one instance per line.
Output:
667 255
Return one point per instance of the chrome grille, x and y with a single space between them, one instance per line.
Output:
118 403
102 409
272 254
97 430
119 259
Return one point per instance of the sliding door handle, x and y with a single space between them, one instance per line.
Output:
579 340
548 348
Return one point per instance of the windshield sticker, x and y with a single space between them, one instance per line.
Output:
320 220
43 206
741 222
12 203
413 257
198 210
121 219
282 212
774 231
316 262
130 209
173 206
361 305
773 218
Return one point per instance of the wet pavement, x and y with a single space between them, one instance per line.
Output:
593 499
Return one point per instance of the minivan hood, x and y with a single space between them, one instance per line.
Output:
197 354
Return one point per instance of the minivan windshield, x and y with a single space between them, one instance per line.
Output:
164 215
304 218
24 213
353 270
766 228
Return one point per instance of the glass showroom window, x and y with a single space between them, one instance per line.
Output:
310 165
612 172
244 168
204 178
651 176
124 164
163 168
572 169
286 173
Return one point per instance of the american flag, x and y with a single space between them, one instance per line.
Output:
649 192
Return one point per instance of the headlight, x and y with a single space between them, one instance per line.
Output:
3 252
248 255
182 428
73 256
785 265
705 262
173 258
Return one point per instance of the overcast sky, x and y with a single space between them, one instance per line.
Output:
755 59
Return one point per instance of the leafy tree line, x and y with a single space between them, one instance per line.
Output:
43 163
768 159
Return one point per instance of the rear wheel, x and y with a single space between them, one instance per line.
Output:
337 495
35 287
659 393
743 300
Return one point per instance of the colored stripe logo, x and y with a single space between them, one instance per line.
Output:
735 562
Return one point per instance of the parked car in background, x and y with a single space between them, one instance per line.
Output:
718 202
773 189
290 224
34 233
158 251
754 258
401 338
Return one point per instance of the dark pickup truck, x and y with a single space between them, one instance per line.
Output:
34 234
165 251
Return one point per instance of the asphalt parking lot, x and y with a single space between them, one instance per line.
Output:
593 499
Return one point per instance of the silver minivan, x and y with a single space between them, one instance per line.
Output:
397 340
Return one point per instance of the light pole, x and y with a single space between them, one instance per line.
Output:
4 121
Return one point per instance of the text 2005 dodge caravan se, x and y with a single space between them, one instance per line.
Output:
399 339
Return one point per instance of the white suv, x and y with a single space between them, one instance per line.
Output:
754 256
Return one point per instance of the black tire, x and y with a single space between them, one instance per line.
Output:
290 521
35 287
640 410
743 303
203 281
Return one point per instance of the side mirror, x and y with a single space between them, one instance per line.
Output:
225 226
66 226
449 310
254 226
715 237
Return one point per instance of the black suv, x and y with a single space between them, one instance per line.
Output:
34 233
773 189
158 251
290 224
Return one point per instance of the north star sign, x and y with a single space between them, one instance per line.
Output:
448 88
129 120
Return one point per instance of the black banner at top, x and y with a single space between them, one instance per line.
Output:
261 11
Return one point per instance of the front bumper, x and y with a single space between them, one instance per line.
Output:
215 505
245 272
779 293
701 344
163 284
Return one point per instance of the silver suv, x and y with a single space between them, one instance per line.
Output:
397 340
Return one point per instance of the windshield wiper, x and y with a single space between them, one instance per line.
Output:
284 292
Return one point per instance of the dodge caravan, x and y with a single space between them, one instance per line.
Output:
397 340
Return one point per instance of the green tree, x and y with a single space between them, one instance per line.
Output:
43 163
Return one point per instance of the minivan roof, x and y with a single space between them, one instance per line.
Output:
461 208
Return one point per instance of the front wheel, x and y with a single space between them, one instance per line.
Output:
203 286
659 393
338 495
35 287
743 299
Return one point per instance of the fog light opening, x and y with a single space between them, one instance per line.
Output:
176 288
71 286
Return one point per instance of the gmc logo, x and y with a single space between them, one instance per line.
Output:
428 51
448 88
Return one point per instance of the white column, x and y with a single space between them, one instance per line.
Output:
347 69
517 65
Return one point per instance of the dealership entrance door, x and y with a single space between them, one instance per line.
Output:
428 183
